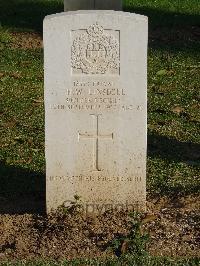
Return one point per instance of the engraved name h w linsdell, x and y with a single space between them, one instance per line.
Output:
95 108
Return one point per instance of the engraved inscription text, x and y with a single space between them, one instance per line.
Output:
96 137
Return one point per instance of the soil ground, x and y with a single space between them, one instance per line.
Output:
172 226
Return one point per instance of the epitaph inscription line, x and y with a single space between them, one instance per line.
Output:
96 137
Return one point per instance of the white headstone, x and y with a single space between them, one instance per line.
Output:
96 109
73 5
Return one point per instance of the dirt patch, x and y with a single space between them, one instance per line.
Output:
175 232
26 40
172 226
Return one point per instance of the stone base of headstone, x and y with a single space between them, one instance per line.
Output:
73 5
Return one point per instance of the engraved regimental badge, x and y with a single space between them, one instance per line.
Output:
96 51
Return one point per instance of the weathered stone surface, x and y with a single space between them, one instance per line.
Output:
73 5
96 109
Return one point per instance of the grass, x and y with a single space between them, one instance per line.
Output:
173 101
173 105
126 260
166 12
173 120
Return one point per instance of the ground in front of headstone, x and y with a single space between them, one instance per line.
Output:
171 224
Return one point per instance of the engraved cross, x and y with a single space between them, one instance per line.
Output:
96 137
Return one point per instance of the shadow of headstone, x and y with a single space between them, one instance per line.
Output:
21 190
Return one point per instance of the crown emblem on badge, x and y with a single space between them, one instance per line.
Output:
95 52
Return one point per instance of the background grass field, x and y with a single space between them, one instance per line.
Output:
173 96
173 99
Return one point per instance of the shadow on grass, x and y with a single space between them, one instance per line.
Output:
172 153
161 18
21 190
29 14
173 150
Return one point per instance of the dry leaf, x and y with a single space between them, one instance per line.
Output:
177 110
35 150
149 218
10 124
162 72
30 140
18 139
124 247
37 100
15 75
29 160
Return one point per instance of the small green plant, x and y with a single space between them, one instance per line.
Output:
5 37
135 242
75 205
